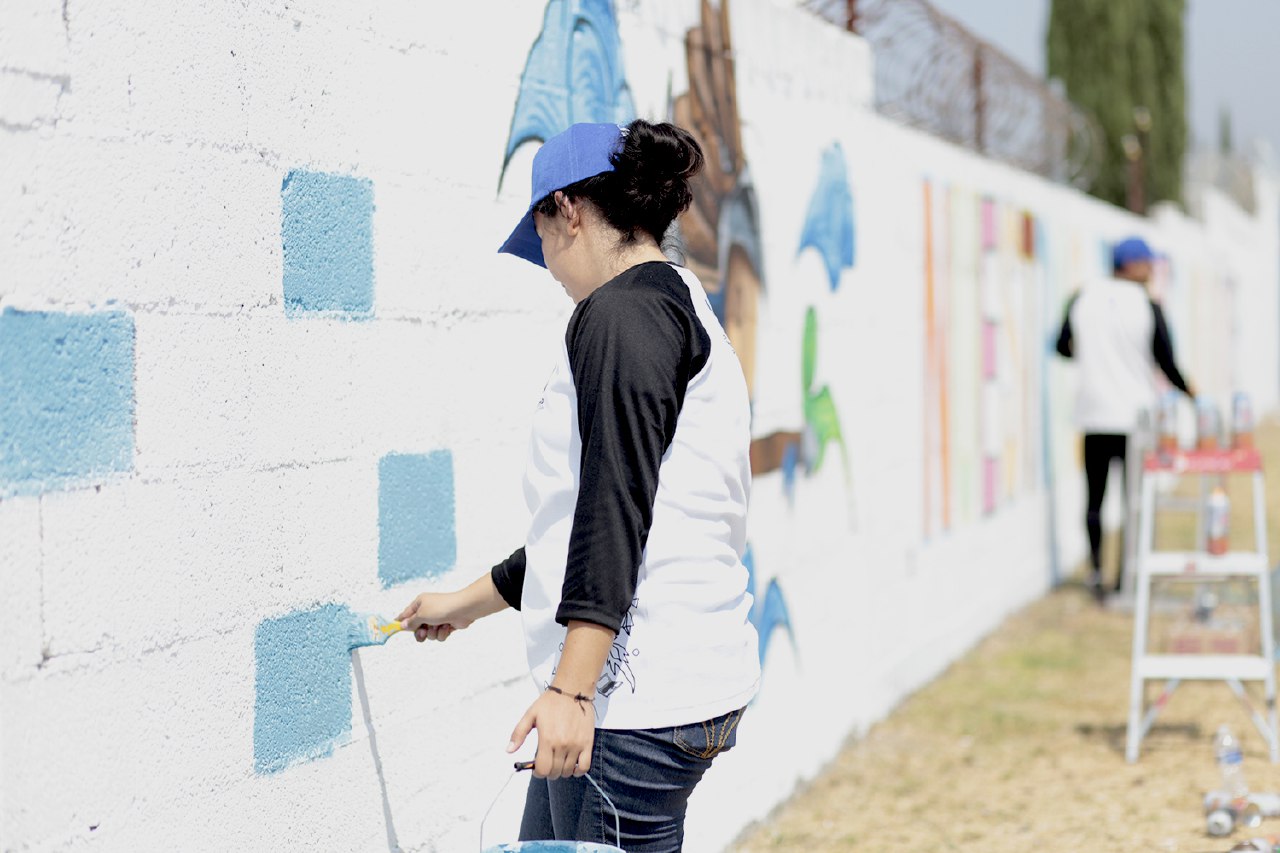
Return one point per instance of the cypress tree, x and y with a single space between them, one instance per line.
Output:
1113 56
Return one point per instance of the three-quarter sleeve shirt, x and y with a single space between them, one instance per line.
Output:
637 482
1118 336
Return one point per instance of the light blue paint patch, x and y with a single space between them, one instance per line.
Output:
303 685
573 74
416 536
66 398
327 232
829 224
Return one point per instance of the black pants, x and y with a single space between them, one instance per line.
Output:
1099 450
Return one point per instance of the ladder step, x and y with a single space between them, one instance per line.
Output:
1205 667
1199 563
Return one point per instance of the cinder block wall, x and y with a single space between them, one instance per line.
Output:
261 371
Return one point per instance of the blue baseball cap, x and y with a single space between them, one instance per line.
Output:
1129 251
583 151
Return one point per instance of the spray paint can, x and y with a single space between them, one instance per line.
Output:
1167 424
1223 818
1217 516
1241 421
1220 822
1208 425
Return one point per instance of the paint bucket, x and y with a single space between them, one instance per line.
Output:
551 846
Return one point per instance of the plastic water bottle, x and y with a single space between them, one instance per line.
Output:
1226 750
1217 522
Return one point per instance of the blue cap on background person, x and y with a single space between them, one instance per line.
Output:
583 151
1132 250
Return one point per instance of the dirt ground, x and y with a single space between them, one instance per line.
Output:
1019 746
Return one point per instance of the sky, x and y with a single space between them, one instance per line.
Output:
1233 58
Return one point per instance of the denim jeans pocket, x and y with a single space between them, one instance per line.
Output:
710 737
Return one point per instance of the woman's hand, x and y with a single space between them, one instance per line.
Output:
434 616
566 731
567 726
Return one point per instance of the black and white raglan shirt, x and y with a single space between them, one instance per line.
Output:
637 483
1118 337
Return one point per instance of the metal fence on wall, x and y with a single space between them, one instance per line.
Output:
933 74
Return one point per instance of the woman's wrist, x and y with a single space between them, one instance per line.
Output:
576 696
573 688
476 600
586 646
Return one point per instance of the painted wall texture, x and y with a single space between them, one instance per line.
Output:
261 370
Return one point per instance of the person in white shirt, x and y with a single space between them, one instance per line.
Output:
630 582
1118 336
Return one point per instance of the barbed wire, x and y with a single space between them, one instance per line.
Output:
932 73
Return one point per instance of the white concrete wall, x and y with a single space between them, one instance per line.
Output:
146 150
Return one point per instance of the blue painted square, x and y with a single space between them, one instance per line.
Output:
415 516
327 232
66 398
303 686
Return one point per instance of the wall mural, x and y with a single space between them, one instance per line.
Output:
983 319
722 239
828 230
721 229
722 245
769 613
573 73
828 224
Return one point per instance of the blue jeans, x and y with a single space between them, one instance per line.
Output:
648 773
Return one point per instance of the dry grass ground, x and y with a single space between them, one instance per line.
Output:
1019 746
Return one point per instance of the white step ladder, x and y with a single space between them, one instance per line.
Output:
1173 669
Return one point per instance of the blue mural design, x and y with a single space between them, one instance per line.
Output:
303 686
574 73
66 398
769 612
790 462
416 537
327 236
829 224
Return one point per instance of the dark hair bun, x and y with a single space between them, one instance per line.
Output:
652 172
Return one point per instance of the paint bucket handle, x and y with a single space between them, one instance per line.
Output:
528 765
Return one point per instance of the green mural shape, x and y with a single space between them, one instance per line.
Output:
822 422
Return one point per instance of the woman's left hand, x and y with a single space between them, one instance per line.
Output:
566 731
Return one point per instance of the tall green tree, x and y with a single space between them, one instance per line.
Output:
1113 56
